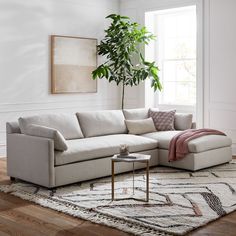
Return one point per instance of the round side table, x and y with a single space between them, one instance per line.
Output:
132 158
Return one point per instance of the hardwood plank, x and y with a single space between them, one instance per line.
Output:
218 228
48 215
20 217
44 221
14 228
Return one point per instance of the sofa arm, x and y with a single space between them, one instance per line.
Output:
31 158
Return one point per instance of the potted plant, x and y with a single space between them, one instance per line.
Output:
121 47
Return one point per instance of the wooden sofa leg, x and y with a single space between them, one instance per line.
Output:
12 178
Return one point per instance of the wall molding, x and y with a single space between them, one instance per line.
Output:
154 5
34 106
85 3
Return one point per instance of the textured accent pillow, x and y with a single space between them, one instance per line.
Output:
140 126
46 132
183 121
163 120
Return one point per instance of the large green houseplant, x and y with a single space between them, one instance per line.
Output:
125 63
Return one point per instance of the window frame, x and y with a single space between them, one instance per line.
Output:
160 50
146 12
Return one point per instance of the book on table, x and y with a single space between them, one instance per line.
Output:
127 156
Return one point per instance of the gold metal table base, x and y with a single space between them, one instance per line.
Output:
113 180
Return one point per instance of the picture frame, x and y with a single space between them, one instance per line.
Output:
72 61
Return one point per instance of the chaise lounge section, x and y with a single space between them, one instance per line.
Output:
92 138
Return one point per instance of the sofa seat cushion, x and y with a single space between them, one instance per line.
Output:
163 137
209 142
197 145
102 146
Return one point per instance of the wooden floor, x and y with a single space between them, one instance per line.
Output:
20 217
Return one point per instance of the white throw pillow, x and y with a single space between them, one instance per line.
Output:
140 126
46 132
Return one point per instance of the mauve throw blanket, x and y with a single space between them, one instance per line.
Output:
178 147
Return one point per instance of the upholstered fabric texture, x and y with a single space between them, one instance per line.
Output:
140 126
97 123
163 137
163 120
102 146
183 121
12 127
200 144
46 132
31 158
197 161
136 114
67 124
99 167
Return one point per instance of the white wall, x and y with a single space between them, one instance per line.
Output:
220 66
134 96
218 60
25 26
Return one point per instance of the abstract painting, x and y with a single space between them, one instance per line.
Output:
72 61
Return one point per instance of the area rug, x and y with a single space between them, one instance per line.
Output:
180 201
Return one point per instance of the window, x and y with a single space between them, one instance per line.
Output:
175 54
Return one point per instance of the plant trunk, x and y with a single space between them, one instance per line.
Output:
123 96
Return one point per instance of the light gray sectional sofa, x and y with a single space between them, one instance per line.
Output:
92 139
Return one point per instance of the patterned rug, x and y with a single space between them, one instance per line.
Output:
180 201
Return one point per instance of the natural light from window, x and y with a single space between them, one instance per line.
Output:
175 54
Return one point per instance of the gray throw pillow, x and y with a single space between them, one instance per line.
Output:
46 132
140 126
163 120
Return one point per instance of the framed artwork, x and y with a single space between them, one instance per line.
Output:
72 61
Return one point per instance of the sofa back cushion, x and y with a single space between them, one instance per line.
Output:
66 124
136 114
183 121
97 123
